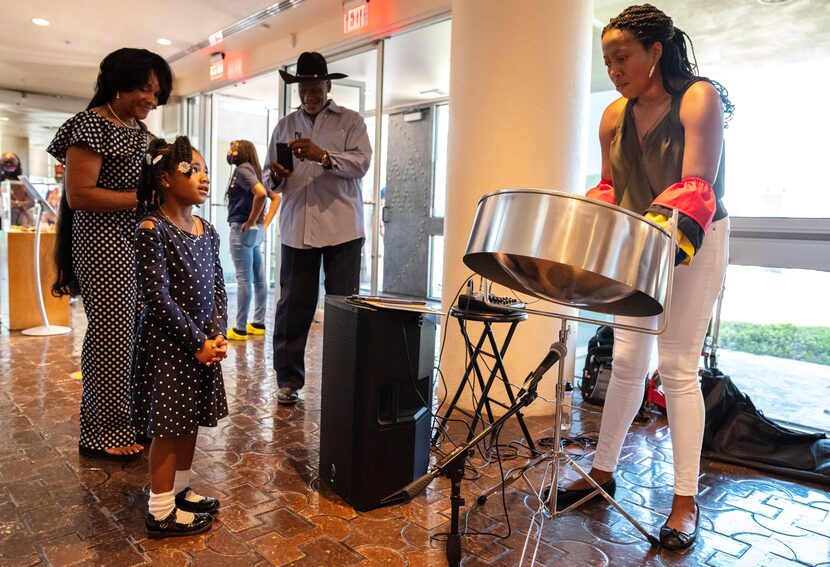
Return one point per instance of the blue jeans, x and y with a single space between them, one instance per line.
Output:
246 253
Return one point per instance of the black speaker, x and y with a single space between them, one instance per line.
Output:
376 391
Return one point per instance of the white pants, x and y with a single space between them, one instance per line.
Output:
695 291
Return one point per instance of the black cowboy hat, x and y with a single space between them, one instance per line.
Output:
311 66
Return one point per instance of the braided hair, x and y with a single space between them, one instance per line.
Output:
161 157
649 25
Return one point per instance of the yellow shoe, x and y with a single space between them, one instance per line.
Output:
235 335
255 329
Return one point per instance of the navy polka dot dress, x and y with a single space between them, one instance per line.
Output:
184 303
103 257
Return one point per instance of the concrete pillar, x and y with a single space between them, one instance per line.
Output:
519 93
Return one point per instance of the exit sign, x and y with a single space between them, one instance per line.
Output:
356 17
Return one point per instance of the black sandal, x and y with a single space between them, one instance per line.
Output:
101 454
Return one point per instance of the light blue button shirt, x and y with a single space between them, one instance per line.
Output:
322 207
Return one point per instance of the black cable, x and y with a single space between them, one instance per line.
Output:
443 430
414 380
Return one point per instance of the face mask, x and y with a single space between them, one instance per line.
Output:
231 158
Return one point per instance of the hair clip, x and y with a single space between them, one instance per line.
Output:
184 167
152 160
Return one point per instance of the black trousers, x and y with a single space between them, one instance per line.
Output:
299 283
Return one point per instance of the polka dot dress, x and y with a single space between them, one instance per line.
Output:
184 303
103 257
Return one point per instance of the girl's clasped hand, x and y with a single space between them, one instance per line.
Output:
213 350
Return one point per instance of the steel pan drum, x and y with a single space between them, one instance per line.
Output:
571 250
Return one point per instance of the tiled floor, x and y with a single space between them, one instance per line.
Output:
59 509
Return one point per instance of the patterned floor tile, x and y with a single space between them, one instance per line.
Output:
57 508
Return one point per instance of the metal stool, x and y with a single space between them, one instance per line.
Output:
485 401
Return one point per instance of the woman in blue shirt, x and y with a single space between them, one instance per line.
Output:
246 205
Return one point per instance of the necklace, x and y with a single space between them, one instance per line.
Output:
194 230
654 122
119 119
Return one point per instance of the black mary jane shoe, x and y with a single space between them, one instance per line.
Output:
565 497
206 505
169 527
101 454
676 540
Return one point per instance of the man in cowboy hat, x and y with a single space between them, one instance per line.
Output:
321 218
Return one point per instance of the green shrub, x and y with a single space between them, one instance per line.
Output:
808 344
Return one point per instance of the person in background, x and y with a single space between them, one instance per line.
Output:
246 197
662 150
103 148
20 202
177 379
321 219
10 166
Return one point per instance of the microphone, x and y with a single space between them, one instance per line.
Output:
557 352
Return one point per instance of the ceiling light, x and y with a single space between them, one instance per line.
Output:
4 118
163 41
773 2
40 22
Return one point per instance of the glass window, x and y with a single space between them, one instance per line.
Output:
774 149
774 341
439 184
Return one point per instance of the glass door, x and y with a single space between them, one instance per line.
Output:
245 111
413 177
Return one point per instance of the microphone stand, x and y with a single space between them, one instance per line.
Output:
452 466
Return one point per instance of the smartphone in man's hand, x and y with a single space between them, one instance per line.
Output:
284 156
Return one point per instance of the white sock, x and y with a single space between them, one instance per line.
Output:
181 482
161 505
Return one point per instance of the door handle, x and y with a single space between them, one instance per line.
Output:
384 214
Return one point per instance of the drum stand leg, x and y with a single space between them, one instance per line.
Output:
554 458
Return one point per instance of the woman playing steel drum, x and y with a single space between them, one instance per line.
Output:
662 150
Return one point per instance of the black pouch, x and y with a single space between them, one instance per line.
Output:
596 374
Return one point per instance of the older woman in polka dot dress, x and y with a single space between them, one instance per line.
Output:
103 148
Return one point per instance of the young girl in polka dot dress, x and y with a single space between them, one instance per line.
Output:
177 380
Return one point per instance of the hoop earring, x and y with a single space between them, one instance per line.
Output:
651 71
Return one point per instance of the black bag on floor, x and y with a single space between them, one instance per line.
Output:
738 433
597 370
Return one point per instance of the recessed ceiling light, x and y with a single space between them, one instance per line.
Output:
40 22
162 41
773 2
